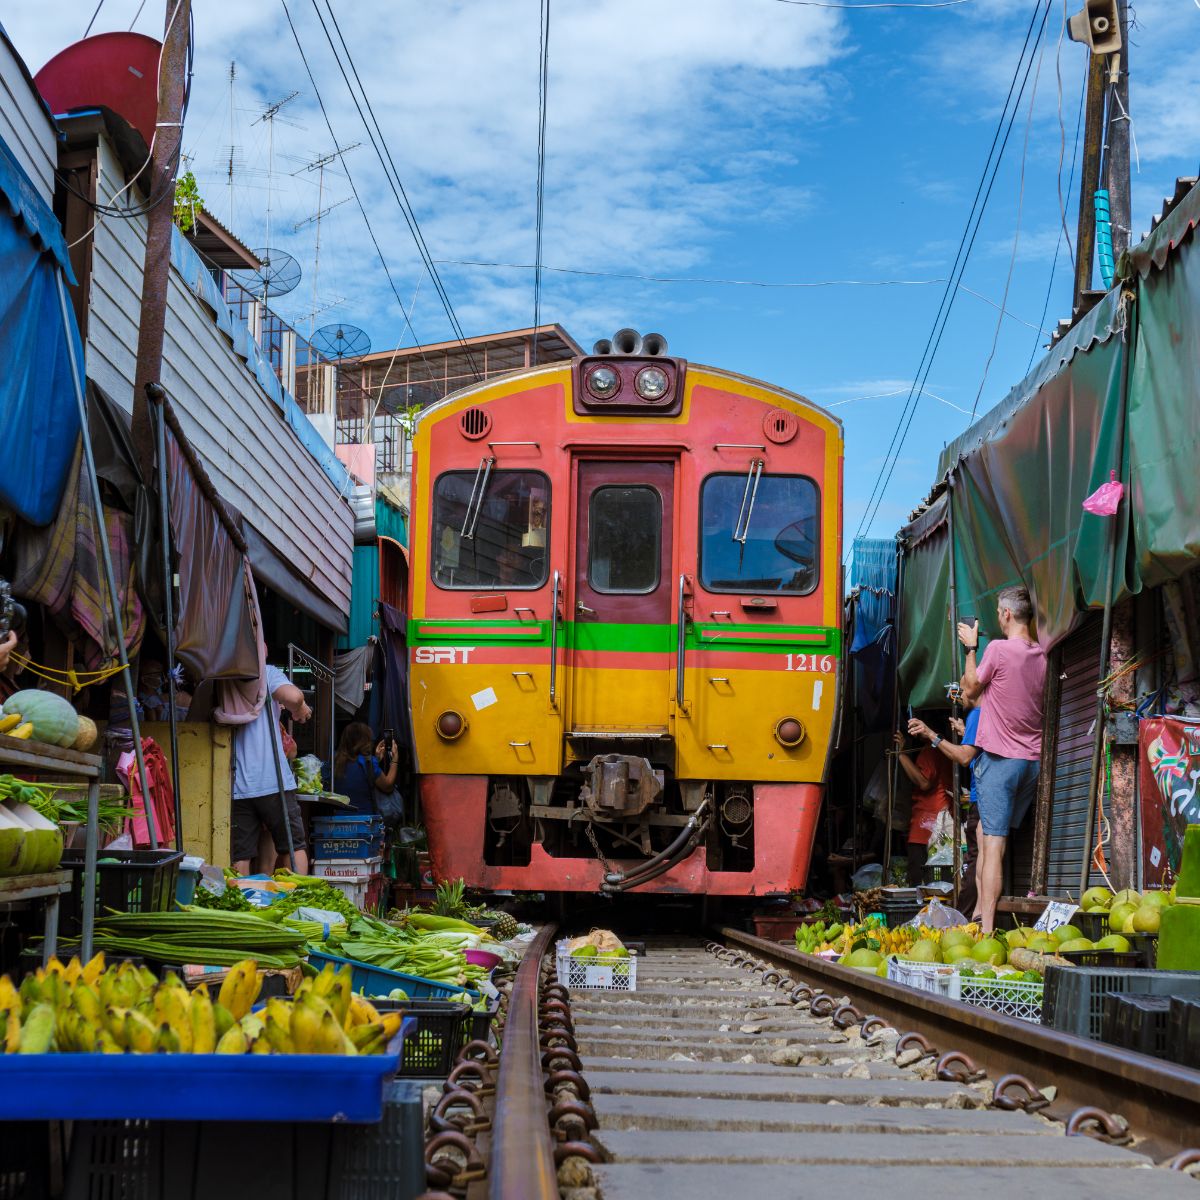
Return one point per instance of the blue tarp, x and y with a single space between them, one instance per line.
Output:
873 646
37 395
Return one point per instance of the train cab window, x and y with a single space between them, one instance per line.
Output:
759 534
624 527
490 530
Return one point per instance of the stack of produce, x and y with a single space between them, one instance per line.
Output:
426 946
450 900
46 717
195 935
81 1008
306 891
600 944
30 842
1128 911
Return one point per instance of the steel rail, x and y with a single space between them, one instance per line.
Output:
1160 1101
522 1158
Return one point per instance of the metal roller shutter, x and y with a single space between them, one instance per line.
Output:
1079 665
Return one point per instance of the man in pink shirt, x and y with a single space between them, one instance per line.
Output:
1012 677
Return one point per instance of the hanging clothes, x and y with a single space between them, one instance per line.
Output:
162 795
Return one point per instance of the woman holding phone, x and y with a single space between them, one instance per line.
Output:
363 770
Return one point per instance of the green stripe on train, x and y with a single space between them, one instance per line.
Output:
612 636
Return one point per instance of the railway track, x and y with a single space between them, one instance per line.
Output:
735 1070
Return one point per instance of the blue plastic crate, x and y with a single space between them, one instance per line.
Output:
197 1087
360 825
324 847
375 981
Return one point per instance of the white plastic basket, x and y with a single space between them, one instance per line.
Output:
938 978
346 868
604 973
1010 998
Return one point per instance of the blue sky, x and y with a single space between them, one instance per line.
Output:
753 140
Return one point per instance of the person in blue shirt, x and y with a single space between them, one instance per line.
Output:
358 772
964 754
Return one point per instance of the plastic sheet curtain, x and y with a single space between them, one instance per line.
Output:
1164 410
873 646
41 418
926 664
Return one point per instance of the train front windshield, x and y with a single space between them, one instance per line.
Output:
759 535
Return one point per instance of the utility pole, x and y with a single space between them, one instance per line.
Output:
1118 144
157 266
1089 177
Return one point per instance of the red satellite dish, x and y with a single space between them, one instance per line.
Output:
116 70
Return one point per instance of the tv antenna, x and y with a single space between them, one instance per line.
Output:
269 116
320 164
278 274
341 341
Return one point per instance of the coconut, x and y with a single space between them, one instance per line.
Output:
14 845
44 838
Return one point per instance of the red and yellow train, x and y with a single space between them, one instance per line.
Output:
625 632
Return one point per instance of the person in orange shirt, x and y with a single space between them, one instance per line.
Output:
930 775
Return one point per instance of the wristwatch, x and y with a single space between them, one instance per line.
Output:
937 741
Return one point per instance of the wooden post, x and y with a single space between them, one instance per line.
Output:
156 271
1089 177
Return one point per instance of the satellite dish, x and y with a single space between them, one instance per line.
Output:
278 275
341 341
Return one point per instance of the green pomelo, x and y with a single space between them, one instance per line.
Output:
1067 933
953 954
1128 896
1147 919
956 937
1079 943
1097 897
990 950
1042 943
1117 916
1015 940
865 958
924 951
1113 941
1156 899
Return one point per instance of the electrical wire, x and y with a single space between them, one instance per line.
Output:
1062 143
93 20
879 4
543 94
1012 258
136 15
404 312
966 243
392 174
1037 342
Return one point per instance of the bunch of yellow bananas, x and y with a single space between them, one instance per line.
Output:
87 1009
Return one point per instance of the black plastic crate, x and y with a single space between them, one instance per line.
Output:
1137 1022
1073 1000
191 1160
441 1032
131 881
1129 960
1183 1032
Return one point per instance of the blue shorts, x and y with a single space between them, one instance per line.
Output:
1006 788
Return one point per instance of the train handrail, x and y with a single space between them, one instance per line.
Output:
522 1161
554 643
681 647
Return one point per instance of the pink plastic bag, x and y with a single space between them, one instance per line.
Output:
1106 499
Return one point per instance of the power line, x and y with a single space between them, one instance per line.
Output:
350 179
879 4
1012 258
965 245
543 97
93 20
392 174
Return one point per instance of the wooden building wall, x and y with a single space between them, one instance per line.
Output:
25 126
253 456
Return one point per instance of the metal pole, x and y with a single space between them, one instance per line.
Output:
893 760
109 576
1118 144
1089 176
91 851
1099 730
155 394
956 774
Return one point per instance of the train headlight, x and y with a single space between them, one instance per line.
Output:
789 732
603 382
652 383
450 725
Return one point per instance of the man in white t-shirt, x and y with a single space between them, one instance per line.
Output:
256 746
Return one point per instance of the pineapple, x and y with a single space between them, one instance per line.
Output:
506 927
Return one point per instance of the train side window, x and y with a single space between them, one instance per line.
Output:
763 538
624 531
510 524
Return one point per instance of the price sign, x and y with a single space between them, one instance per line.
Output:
1057 912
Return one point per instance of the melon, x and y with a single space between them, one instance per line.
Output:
43 837
14 849
53 719
85 739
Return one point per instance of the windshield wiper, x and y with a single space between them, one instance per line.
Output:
475 504
742 529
